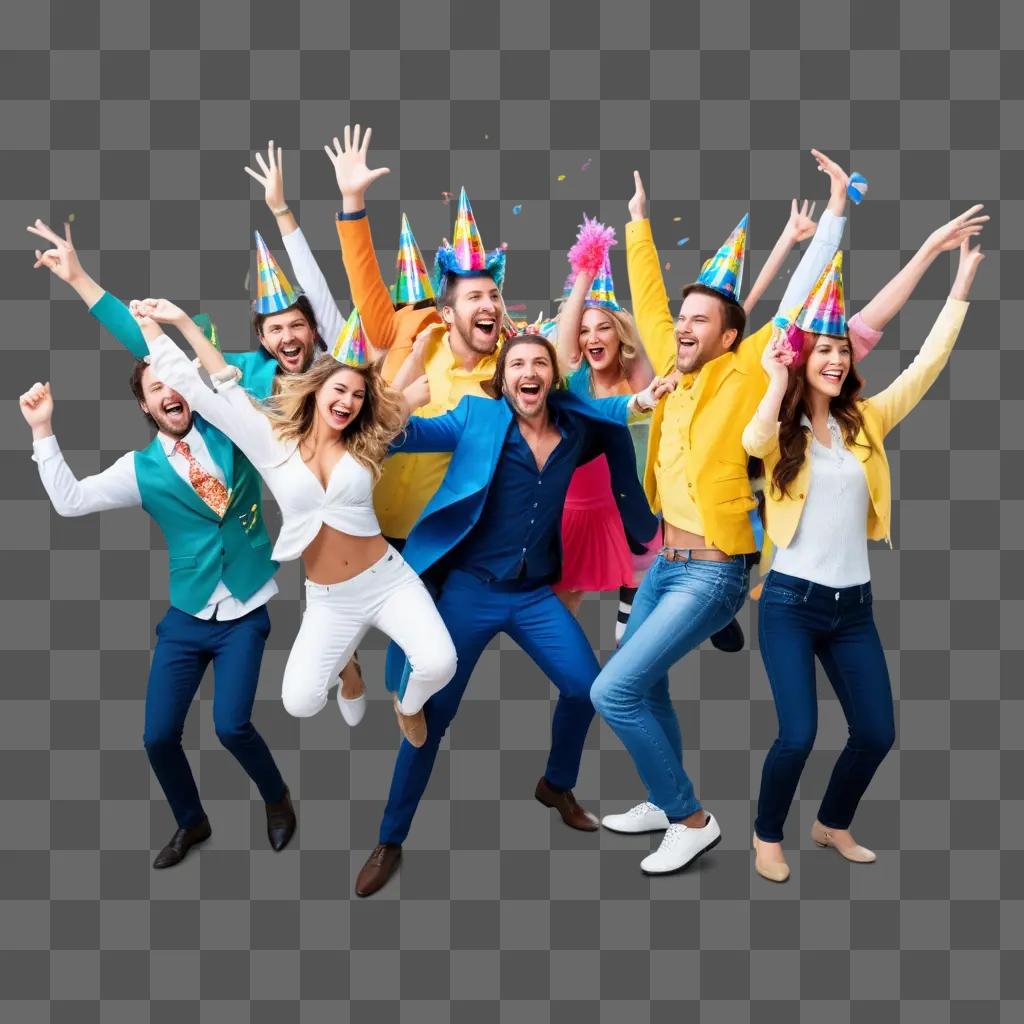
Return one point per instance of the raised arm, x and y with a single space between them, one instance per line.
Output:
799 227
913 383
165 312
62 261
761 434
370 294
115 487
307 271
650 299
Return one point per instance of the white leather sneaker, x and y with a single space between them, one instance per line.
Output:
644 817
681 846
352 710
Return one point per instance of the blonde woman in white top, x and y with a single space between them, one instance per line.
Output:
319 444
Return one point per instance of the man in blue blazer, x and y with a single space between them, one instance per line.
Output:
489 543
205 497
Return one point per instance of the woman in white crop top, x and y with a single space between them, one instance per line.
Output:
319 444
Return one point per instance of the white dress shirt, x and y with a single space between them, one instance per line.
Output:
118 487
830 545
346 504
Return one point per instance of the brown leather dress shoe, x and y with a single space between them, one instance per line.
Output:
565 803
379 867
413 727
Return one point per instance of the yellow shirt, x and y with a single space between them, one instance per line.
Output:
409 481
677 501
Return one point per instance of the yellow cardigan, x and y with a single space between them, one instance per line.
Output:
727 393
881 413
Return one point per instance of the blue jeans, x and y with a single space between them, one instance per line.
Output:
474 613
185 647
798 621
678 605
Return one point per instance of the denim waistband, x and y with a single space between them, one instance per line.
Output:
857 594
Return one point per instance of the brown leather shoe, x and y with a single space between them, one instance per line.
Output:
413 727
379 867
565 803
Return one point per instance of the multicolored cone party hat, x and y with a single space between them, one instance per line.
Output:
273 292
412 284
602 291
724 271
824 311
465 256
351 346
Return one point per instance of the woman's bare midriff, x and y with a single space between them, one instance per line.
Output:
334 557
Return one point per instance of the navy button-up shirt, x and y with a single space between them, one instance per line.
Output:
518 534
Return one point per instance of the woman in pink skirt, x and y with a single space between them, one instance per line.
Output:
601 354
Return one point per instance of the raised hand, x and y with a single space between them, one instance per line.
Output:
951 236
163 311
800 225
149 327
638 203
838 180
970 260
777 357
36 406
349 160
272 178
61 260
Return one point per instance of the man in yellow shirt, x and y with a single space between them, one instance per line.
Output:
696 476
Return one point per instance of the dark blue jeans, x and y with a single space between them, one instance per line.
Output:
185 647
799 621
474 613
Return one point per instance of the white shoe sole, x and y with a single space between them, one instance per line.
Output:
633 831
682 867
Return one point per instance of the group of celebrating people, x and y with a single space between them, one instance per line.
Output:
447 474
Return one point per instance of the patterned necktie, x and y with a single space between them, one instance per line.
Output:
207 486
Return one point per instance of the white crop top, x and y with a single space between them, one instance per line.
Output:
347 503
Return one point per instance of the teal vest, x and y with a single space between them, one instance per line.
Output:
258 371
202 548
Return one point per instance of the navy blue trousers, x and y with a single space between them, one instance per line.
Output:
185 647
799 621
474 613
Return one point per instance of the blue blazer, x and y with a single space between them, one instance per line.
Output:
475 431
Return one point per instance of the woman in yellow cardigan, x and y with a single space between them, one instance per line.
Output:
827 491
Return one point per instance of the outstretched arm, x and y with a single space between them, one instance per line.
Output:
307 271
432 433
799 227
115 487
370 294
62 261
164 312
896 401
570 317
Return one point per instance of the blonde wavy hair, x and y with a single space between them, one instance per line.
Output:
292 411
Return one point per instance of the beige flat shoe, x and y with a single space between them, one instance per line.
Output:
843 843
773 870
413 727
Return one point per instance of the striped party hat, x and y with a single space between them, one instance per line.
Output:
273 292
351 346
602 291
724 271
412 284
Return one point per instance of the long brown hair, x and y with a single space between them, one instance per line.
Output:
494 386
292 411
793 437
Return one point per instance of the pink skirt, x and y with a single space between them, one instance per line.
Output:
595 554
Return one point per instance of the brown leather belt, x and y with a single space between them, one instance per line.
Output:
694 554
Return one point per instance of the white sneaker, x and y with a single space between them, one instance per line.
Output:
352 710
681 846
644 817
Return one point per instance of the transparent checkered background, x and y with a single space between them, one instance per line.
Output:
138 119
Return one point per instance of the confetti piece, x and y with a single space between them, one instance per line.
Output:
486 136
446 197
517 308
246 284
586 164
71 218
517 209
683 241
677 219
561 177
668 266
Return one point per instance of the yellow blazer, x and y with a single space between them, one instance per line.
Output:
727 392
881 413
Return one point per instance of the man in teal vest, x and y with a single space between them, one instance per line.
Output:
205 497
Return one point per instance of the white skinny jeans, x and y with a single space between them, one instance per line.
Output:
389 596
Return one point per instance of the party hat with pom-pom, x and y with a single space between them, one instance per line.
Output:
351 346
724 271
590 254
412 284
274 294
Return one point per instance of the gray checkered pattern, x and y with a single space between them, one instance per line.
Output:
138 119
